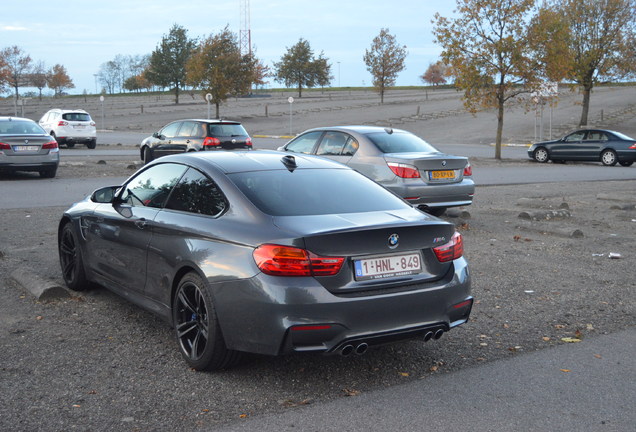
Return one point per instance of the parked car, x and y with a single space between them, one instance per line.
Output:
597 145
70 127
25 146
195 135
399 160
261 252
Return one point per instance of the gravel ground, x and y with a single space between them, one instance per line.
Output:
95 362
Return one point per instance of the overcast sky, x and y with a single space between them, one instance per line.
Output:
83 35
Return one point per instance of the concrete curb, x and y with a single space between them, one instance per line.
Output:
42 289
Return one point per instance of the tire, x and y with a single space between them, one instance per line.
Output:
92 143
626 164
48 173
541 155
148 156
71 259
609 158
197 328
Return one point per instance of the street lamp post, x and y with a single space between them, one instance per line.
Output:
338 74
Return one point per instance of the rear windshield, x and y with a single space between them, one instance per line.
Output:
226 130
623 136
76 117
400 142
18 127
314 192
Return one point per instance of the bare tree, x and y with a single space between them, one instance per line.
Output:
385 60
39 77
18 64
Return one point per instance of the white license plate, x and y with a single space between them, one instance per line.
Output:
79 127
25 148
386 266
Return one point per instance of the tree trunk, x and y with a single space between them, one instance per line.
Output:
300 90
381 95
587 90
216 105
176 94
500 122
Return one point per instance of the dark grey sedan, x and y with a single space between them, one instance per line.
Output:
268 253
596 145
399 160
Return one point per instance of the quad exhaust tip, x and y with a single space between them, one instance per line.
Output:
359 349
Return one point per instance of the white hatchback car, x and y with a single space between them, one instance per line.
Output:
70 127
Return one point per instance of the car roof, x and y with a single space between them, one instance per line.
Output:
215 121
64 111
252 160
11 118
360 129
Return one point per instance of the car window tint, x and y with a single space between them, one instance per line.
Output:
20 127
170 130
227 130
575 137
332 143
304 143
151 187
314 192
76 117
189 129
196 193
351 147
400 142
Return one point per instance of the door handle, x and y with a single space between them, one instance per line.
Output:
141 223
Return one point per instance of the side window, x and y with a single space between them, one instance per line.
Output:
151 187
351 147
575 137
593 136
304 143
188 129
332 144
171 130
196 193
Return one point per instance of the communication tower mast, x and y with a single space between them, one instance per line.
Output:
245 36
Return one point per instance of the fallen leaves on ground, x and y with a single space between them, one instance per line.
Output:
350 392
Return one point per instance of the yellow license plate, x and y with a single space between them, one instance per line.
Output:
438 175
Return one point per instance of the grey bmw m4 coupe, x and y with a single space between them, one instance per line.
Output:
262 252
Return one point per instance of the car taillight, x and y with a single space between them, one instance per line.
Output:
633 146
93 123
4 146
277 260
248 141
452 250
211 142
404 170
50 145
62 123
468 170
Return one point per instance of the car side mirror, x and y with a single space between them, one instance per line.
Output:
156 135
104 195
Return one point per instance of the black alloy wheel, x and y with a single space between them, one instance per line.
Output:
71 259
541 155
196 326
609 158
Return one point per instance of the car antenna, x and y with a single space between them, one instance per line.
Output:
290 162
388 130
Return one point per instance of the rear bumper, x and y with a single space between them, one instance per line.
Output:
29 163
436 195
273 315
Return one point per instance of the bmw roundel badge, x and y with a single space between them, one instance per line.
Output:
394 239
